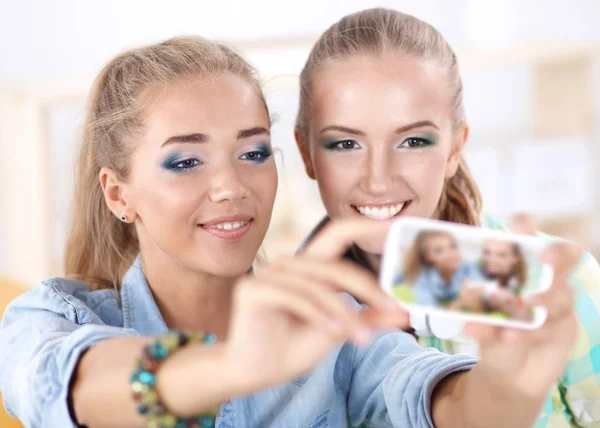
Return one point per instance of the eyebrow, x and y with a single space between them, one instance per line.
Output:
203 138
400 130
189 138
247 133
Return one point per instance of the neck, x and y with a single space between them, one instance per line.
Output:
188 299
502 280
446 275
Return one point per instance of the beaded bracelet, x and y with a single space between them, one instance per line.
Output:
143 381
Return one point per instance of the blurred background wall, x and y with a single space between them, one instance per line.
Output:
531 72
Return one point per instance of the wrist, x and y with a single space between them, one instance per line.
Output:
495 398
242 379
195 379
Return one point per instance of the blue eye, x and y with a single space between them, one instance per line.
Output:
342 145
178 164
260 155
416 142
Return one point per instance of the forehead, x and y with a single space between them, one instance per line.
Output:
499 245
440 239
210 104
377 91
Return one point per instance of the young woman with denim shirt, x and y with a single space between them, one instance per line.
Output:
174 193
381 127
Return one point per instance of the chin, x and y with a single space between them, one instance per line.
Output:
230 270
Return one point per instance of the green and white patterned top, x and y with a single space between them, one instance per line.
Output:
575 399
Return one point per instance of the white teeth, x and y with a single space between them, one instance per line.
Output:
382 213
229 225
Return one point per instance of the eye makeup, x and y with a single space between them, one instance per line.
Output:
419 141
340 145
259 155
179 163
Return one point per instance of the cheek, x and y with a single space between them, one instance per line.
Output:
262 183
423 173
336 179
171 202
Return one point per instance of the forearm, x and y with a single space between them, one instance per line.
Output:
189 382
473 400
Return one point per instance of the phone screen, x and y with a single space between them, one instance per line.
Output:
475 273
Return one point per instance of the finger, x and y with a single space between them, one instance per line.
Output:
322 296
339 235
276 297
378 320
563 257
280 298
559 331
523 224
343 276
482 333
558 301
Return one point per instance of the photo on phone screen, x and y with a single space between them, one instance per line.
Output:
475 273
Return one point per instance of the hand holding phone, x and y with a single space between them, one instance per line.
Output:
467 272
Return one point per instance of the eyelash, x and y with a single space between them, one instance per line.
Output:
263 154
185 165
339 145
178 165
422 142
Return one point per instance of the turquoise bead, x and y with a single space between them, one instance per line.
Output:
147 378
158 351
206 421
210 339
135 376
181 424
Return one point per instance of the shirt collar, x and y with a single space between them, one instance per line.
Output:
140 311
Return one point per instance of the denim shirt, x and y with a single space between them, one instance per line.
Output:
430 287
44 332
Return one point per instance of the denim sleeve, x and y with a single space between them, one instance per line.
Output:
42 335
423 292
392 381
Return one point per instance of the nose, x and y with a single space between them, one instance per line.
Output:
226 184
377 173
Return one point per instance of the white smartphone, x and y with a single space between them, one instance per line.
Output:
468 272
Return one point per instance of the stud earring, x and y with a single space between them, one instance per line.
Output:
123 218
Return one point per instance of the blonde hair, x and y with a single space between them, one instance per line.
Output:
379 31
416 258
100 247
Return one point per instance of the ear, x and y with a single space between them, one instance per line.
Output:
456 150
305 152
115 195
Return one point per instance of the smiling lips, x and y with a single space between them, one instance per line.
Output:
230 229
382 212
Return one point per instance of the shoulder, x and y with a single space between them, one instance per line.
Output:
490 222
66 298
586 276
